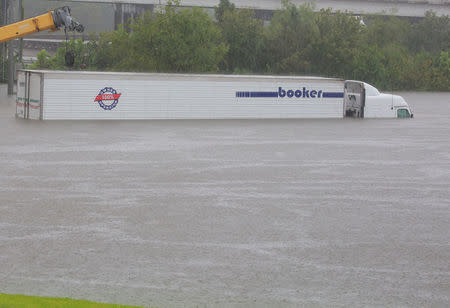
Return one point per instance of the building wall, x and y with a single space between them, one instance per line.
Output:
412 8
125 11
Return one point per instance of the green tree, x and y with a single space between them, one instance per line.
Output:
173 40
334 49
431 34
385 30
42 62
389 52
112 51
224 6
243 34
369 65
3 68
79 49
99 52
397 63
443 71
289 39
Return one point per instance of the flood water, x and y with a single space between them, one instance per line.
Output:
237 213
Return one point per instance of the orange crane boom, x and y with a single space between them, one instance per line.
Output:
52 20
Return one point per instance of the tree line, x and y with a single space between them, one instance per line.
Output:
387 51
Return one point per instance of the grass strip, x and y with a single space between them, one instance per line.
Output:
25 301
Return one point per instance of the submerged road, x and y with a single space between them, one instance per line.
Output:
335 213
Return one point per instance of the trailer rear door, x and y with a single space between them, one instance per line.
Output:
29 95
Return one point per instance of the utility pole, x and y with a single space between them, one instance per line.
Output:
3 45
12 17
13 10
21 17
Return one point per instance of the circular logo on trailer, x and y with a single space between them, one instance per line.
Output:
107 98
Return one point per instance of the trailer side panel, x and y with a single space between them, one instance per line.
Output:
90 95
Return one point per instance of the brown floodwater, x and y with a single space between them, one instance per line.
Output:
229 212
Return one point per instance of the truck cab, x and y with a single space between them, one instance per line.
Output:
362 100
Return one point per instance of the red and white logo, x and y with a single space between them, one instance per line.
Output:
107 94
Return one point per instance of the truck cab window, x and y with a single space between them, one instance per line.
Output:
403 113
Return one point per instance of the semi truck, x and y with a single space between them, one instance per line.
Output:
87 95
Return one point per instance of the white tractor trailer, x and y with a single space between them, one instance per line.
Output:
79 95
